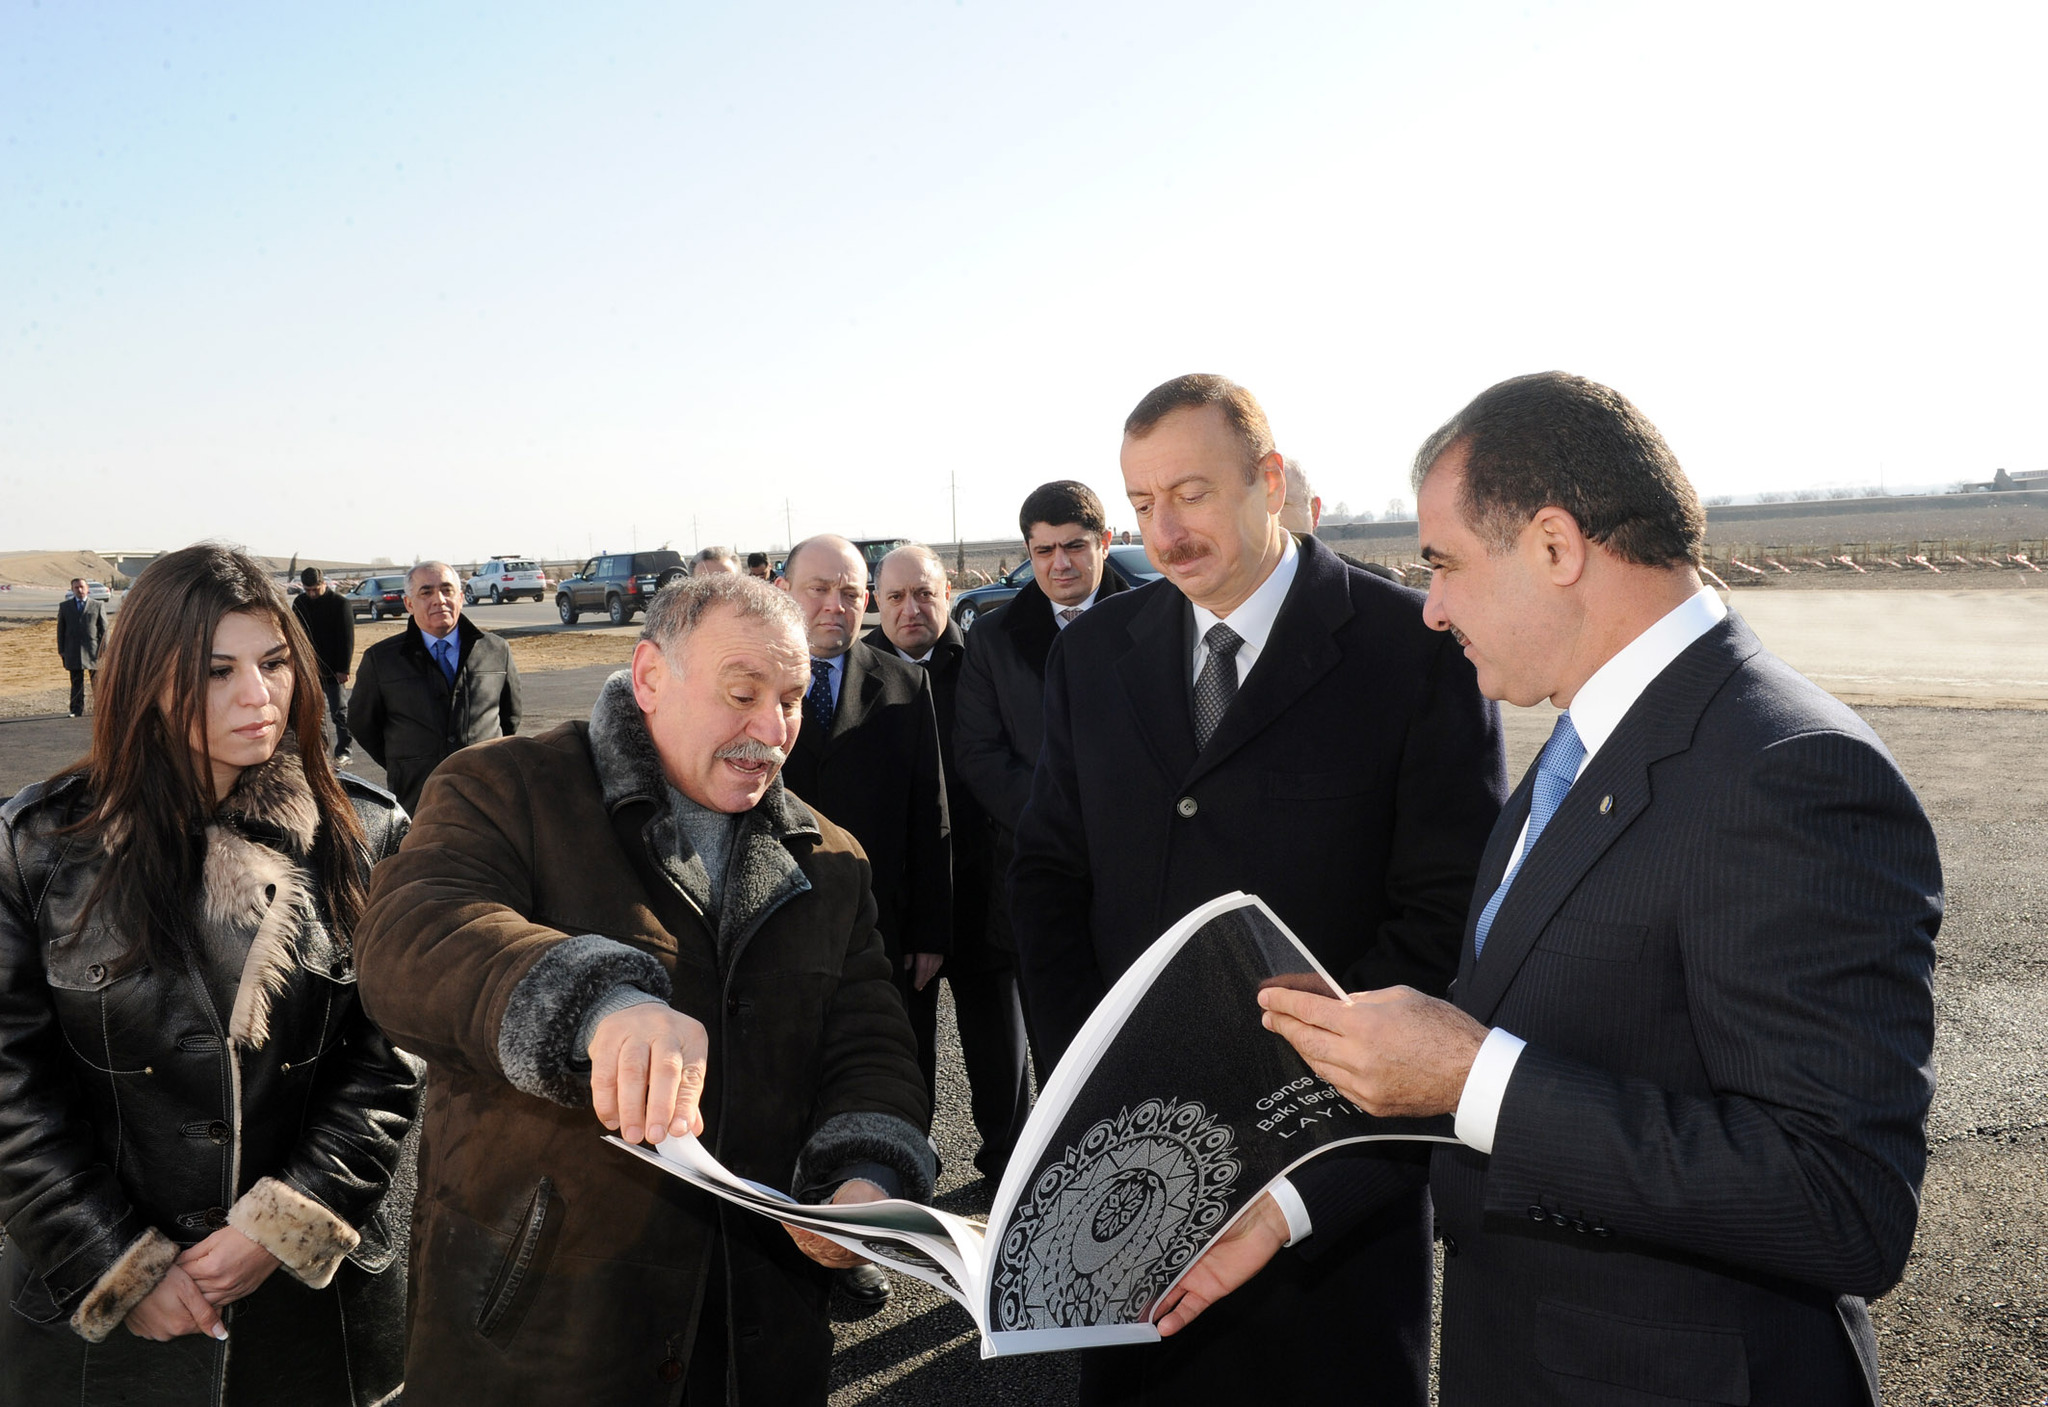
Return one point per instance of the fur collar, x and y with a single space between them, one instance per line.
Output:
255 876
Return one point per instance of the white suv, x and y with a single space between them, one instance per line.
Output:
505 579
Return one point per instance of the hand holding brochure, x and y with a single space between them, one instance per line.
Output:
1171 1112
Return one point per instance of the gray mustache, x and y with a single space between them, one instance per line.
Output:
748 750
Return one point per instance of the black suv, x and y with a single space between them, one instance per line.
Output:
381 596
620 584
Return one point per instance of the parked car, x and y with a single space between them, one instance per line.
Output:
97 591
377 597
505 579
619 583
1129 560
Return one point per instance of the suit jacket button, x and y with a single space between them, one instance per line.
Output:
670 1370
1538 1214
1187 806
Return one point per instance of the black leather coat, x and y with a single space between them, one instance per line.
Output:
139 1113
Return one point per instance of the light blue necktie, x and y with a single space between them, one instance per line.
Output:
1556 769
444 652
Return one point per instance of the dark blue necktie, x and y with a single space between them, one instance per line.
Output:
1556 769
444 654
818 709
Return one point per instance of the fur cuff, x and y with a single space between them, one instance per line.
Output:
537 1040
127 1283
869 1138
307 1239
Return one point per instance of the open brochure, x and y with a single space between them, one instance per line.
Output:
1167 1117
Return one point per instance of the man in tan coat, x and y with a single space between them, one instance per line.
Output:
629 924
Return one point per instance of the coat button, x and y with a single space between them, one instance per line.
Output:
1538 1214
1187 806
732 1006
670 1370
96 973
216 1217
218 1131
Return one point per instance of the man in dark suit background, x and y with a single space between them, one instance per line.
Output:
912 594
425 694
330 625
81 635
1265 719
1001 718
868 757
1690 1056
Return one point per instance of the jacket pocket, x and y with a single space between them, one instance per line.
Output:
518 1279
1686 1362
1602 942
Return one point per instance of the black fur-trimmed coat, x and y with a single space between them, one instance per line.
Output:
549 1267
137 1116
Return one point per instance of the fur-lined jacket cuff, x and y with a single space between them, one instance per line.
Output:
867 1137
537 1041
127 1283
307 1239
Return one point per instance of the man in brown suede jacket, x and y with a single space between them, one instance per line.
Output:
629 924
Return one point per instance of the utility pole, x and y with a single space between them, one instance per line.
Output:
959 547
788 533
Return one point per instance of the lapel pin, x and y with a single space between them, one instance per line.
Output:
1606 804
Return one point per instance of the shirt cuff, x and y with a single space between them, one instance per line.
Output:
1299 1227
1486 1085
617 999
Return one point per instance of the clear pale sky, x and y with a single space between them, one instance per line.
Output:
445 280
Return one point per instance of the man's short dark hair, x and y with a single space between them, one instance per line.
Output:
1552 440
310 577
1061 502
757 559
1198 389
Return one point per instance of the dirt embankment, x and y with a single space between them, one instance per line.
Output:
54 568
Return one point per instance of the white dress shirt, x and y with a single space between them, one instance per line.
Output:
1059 618
1253 619
1596 711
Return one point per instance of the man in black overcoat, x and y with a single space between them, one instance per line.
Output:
330 625
912 595
81 635
1271 720
868 757
441 685
1690 1055
1000 722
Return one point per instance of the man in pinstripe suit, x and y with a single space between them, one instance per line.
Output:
1689 1047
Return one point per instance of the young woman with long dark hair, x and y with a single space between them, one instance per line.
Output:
191 1099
